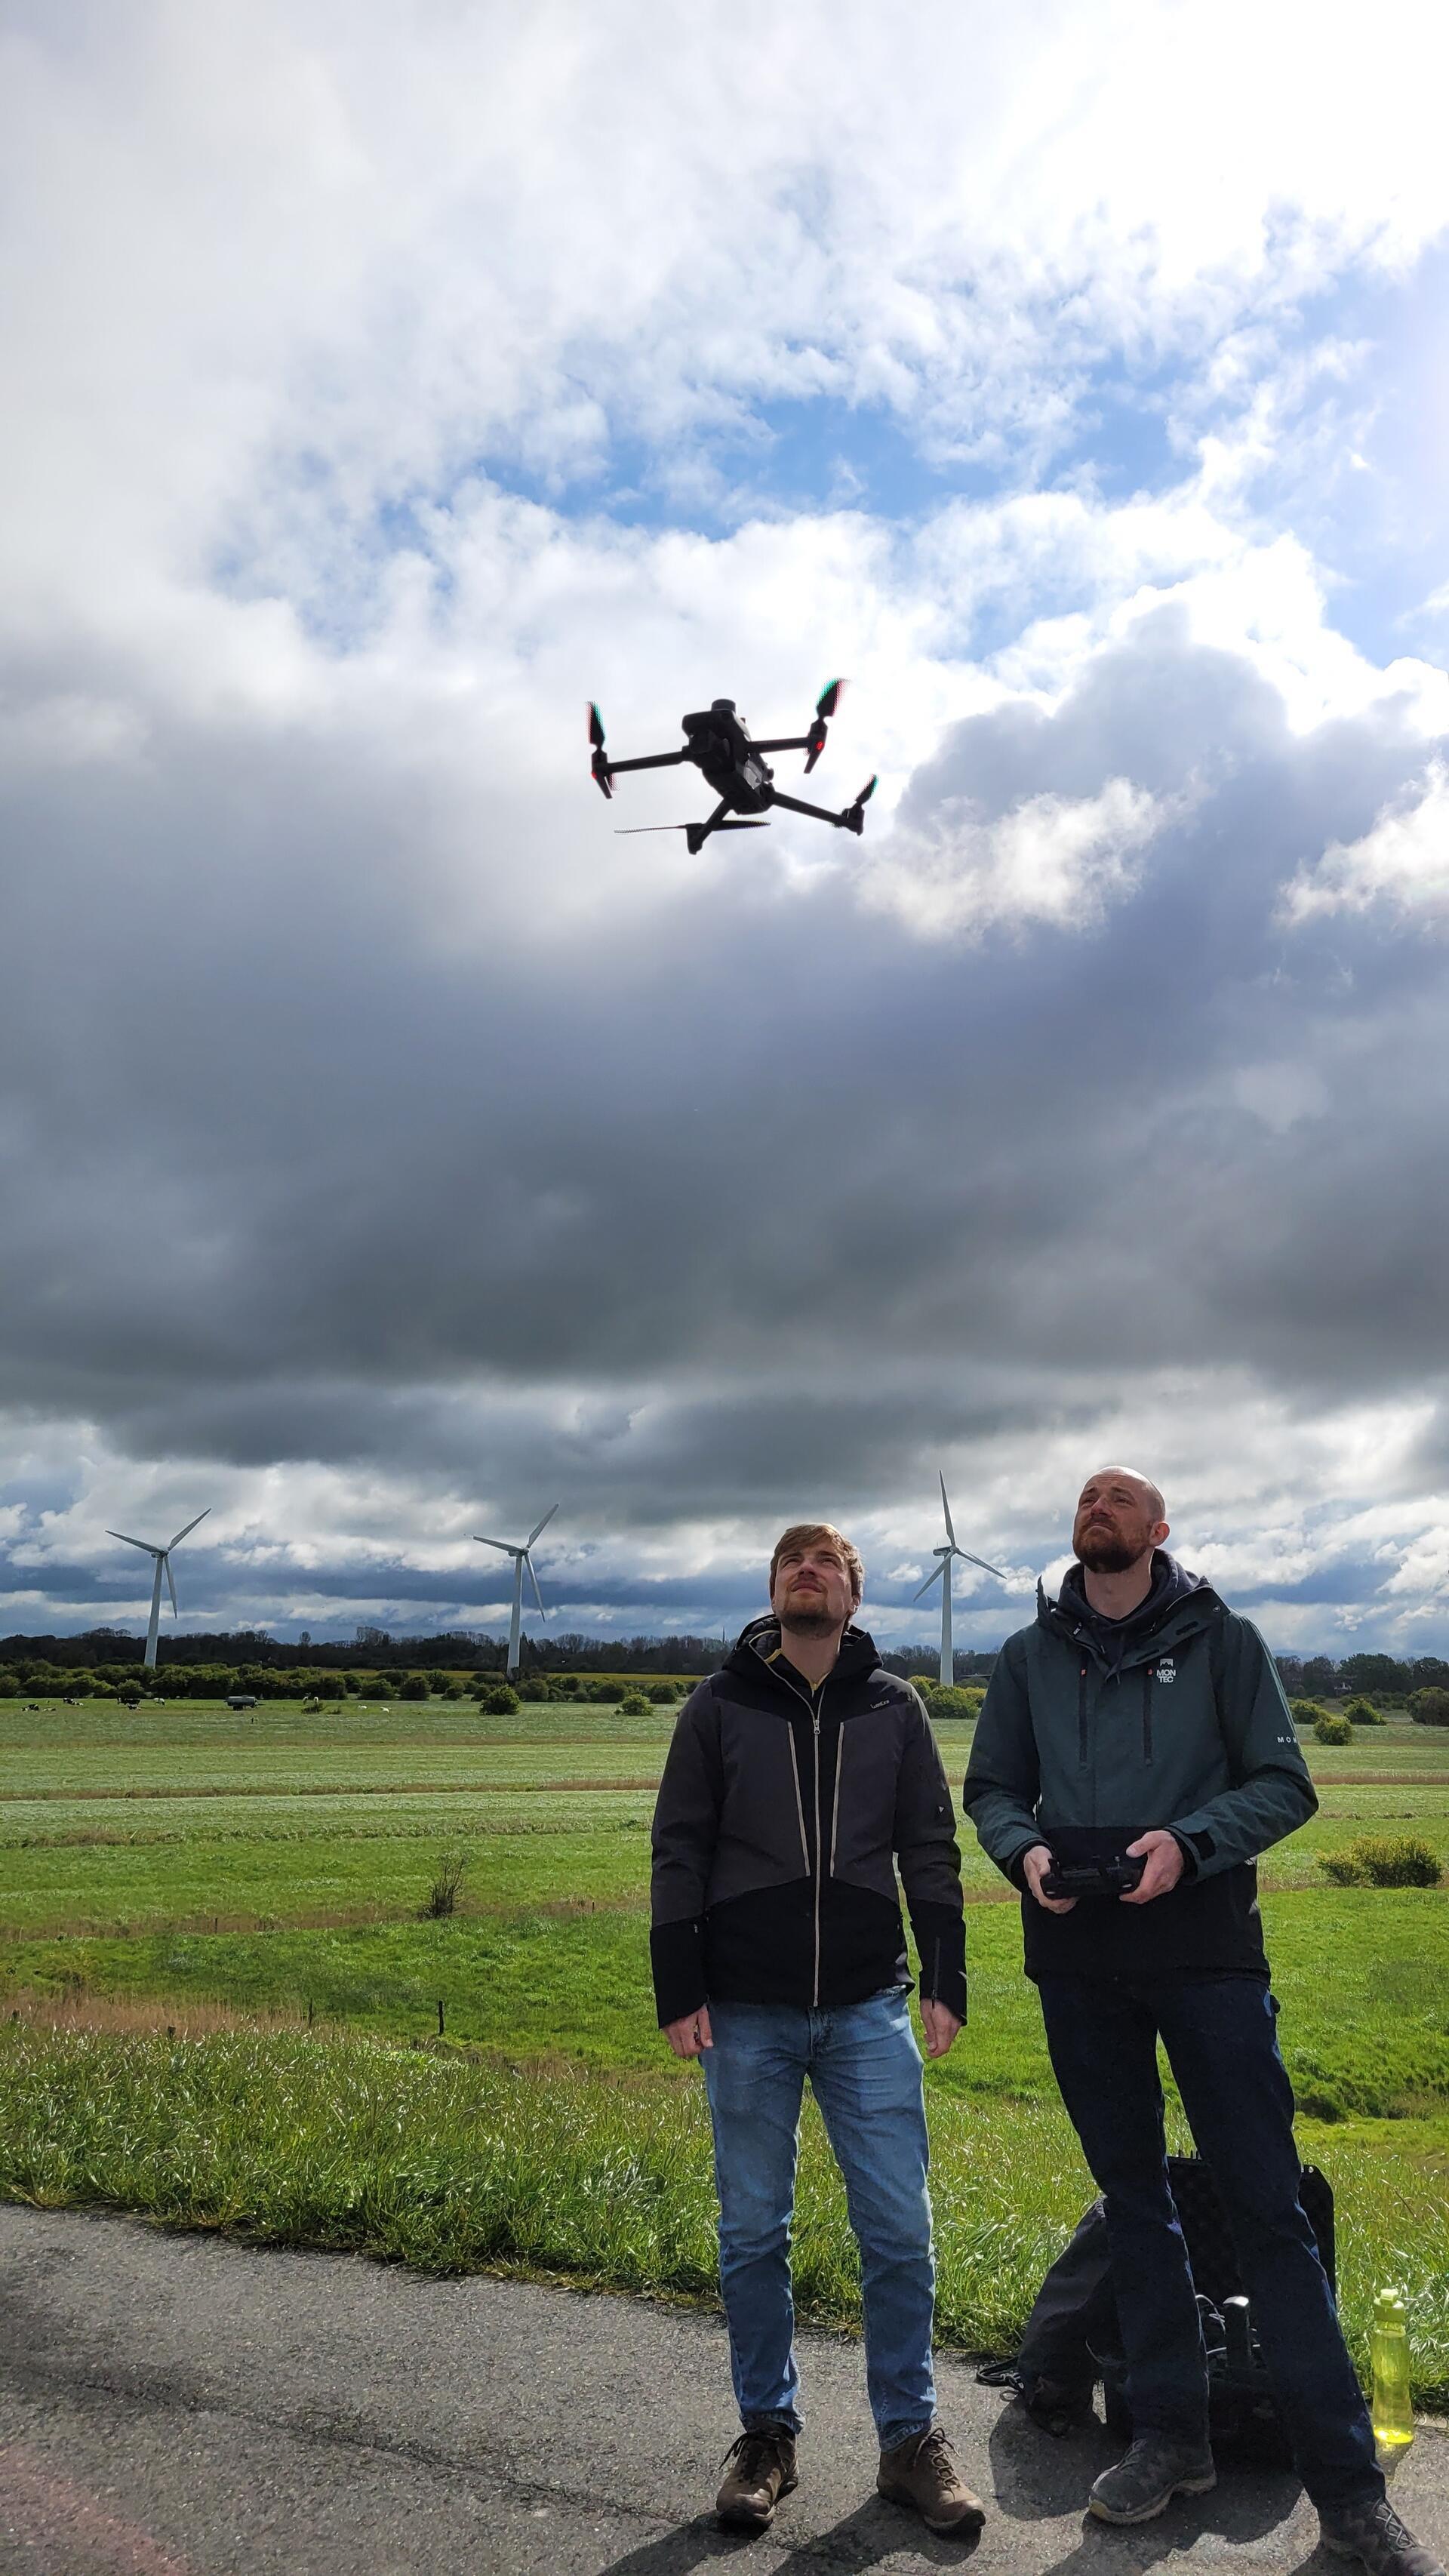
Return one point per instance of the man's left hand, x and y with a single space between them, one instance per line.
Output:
1163 1870
939 2024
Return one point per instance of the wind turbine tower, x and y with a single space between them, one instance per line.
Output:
521 1558
942 1576
163 1565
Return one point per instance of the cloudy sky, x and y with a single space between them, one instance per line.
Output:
385 1152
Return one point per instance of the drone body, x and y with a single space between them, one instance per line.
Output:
718 743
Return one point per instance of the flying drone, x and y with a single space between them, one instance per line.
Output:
718 742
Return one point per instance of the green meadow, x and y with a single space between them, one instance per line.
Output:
222 1996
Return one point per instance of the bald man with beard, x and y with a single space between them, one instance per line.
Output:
1139 1718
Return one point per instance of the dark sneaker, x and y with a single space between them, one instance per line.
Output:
1153 2471
1373 2532
922 2472
762 2469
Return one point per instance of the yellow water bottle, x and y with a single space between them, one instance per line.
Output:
1393 2411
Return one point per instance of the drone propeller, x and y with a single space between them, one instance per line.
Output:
626 831
825 706
599 766
854 816
866 793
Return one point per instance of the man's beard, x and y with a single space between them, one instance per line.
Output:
807 1623
1101 1554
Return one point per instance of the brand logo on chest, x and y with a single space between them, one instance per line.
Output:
1167 1670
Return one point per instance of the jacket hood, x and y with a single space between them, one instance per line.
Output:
1175 1590
760 1643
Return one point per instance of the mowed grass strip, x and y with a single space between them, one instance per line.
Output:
1363 1976
451 2165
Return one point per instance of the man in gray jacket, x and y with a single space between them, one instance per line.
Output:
1139 1718
798 1777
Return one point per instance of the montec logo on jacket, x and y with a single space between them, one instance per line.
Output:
1167 1670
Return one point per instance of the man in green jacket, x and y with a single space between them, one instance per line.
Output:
1139 1718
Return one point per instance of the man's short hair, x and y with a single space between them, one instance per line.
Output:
820 1534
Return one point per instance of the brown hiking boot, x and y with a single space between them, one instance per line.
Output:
922 2472
762 2469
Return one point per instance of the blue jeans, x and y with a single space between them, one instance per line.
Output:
865 2072
1222 2046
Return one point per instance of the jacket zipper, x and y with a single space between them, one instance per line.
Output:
813 1702
1082 1716
815 1699
1147 1673
835 1801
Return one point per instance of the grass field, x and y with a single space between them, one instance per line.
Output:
232 1875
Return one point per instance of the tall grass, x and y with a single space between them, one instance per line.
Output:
451 2164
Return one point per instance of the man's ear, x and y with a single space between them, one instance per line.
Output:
1161 1533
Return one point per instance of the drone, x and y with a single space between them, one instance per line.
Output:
718 742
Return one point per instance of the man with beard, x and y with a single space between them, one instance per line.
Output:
795 1774
1140 1716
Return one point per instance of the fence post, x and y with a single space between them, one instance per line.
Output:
440 2016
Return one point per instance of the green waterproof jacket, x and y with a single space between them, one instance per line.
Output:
1091 1733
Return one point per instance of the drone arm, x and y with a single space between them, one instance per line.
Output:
792 742
797 805
652 760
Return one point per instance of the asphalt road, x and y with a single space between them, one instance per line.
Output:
178 2406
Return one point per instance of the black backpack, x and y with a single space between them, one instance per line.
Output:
1072 2339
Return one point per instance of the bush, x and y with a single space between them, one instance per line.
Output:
534 1689
443 1894
1306 1712
413 1686
609 1688
1384 1860
661 1694
499 1700
1331 1728
1362 1712
9 1686
634 1704
1429 1707
950 1702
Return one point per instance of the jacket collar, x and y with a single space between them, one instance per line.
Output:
760 1643
1180 1604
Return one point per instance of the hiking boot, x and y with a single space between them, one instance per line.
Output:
762 2469
922 2471
1150 2474
1373 2532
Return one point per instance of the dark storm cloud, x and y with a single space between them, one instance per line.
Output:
775 1200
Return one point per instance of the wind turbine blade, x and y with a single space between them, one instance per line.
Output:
930 1579
946 1508
134 1542
542 1525
190 1526
171 1582
981 1561
533 1579
505 1544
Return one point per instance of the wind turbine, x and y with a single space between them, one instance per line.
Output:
942 1576
163 1565
521 1558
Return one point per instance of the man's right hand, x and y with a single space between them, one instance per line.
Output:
1034 1867
689 2036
